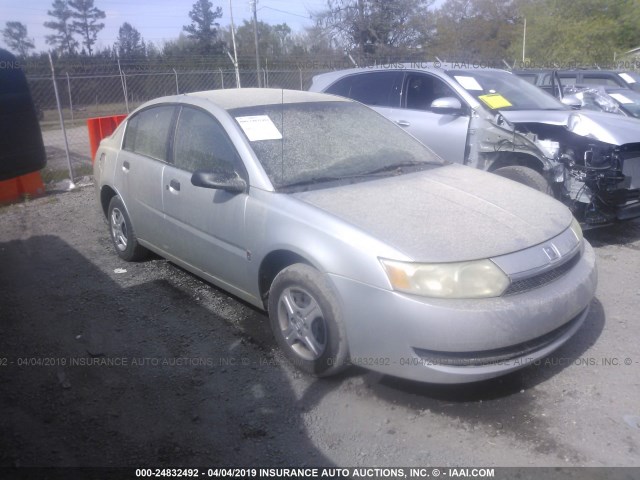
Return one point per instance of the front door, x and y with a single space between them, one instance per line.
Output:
205 226
445 134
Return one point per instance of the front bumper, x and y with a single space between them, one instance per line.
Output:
458 341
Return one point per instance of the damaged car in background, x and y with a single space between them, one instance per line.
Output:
601 98
493 120
608 92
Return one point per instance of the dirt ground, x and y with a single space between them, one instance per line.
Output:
108 363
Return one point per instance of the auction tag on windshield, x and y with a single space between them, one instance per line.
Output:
468 83
627 78
259 127
495 101
621 98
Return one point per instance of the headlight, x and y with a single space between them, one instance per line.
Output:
576 229
474 279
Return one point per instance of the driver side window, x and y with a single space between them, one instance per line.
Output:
202 144
422 90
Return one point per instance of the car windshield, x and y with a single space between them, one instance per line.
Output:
499 90
317 142
632 79
627 99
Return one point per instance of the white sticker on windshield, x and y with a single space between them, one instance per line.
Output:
259 127
468 83
621 98
627 78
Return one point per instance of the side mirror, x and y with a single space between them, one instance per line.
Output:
231 182
572 101
446 105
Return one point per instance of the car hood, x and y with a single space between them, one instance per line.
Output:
605 127
446 214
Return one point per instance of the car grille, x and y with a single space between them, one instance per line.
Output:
489 357
537 281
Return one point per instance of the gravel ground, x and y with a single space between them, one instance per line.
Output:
107 363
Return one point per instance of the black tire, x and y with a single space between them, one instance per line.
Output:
306 320
122 233
527 176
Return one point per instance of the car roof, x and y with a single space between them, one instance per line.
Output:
419 66
229 99
324 80
569 70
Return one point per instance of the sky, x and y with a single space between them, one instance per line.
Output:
156 20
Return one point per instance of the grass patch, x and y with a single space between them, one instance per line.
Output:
51 119
57 175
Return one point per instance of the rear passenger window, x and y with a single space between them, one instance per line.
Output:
380 89
202 144
148 132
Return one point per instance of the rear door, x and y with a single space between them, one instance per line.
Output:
205 226
378 90
139 170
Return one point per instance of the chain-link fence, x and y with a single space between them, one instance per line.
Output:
83 96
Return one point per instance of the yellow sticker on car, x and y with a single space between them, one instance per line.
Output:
495 101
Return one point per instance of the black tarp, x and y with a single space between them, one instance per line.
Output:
21 146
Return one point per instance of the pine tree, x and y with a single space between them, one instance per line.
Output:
85 22
15 36
204 29
62 40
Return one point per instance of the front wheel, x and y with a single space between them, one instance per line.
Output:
306 320
527 176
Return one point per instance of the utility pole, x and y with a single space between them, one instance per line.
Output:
235 50
255 37
524 41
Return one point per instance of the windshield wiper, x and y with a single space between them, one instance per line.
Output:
312 181
396 168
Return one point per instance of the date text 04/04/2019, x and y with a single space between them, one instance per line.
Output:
361 472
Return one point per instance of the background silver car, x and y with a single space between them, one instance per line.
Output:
496 121
363 245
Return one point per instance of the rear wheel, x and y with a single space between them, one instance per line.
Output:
306 320
122 235
525 175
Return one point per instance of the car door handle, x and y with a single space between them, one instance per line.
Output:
125 166
174 185
403 123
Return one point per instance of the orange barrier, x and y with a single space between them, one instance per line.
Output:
9 190
24 185
100 127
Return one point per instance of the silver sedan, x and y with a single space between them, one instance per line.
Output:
364 246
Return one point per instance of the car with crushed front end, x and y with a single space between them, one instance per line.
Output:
363 246
548 78
602 97
496 121
619 101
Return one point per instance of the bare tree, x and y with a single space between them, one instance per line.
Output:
476 30
374 26
15 36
